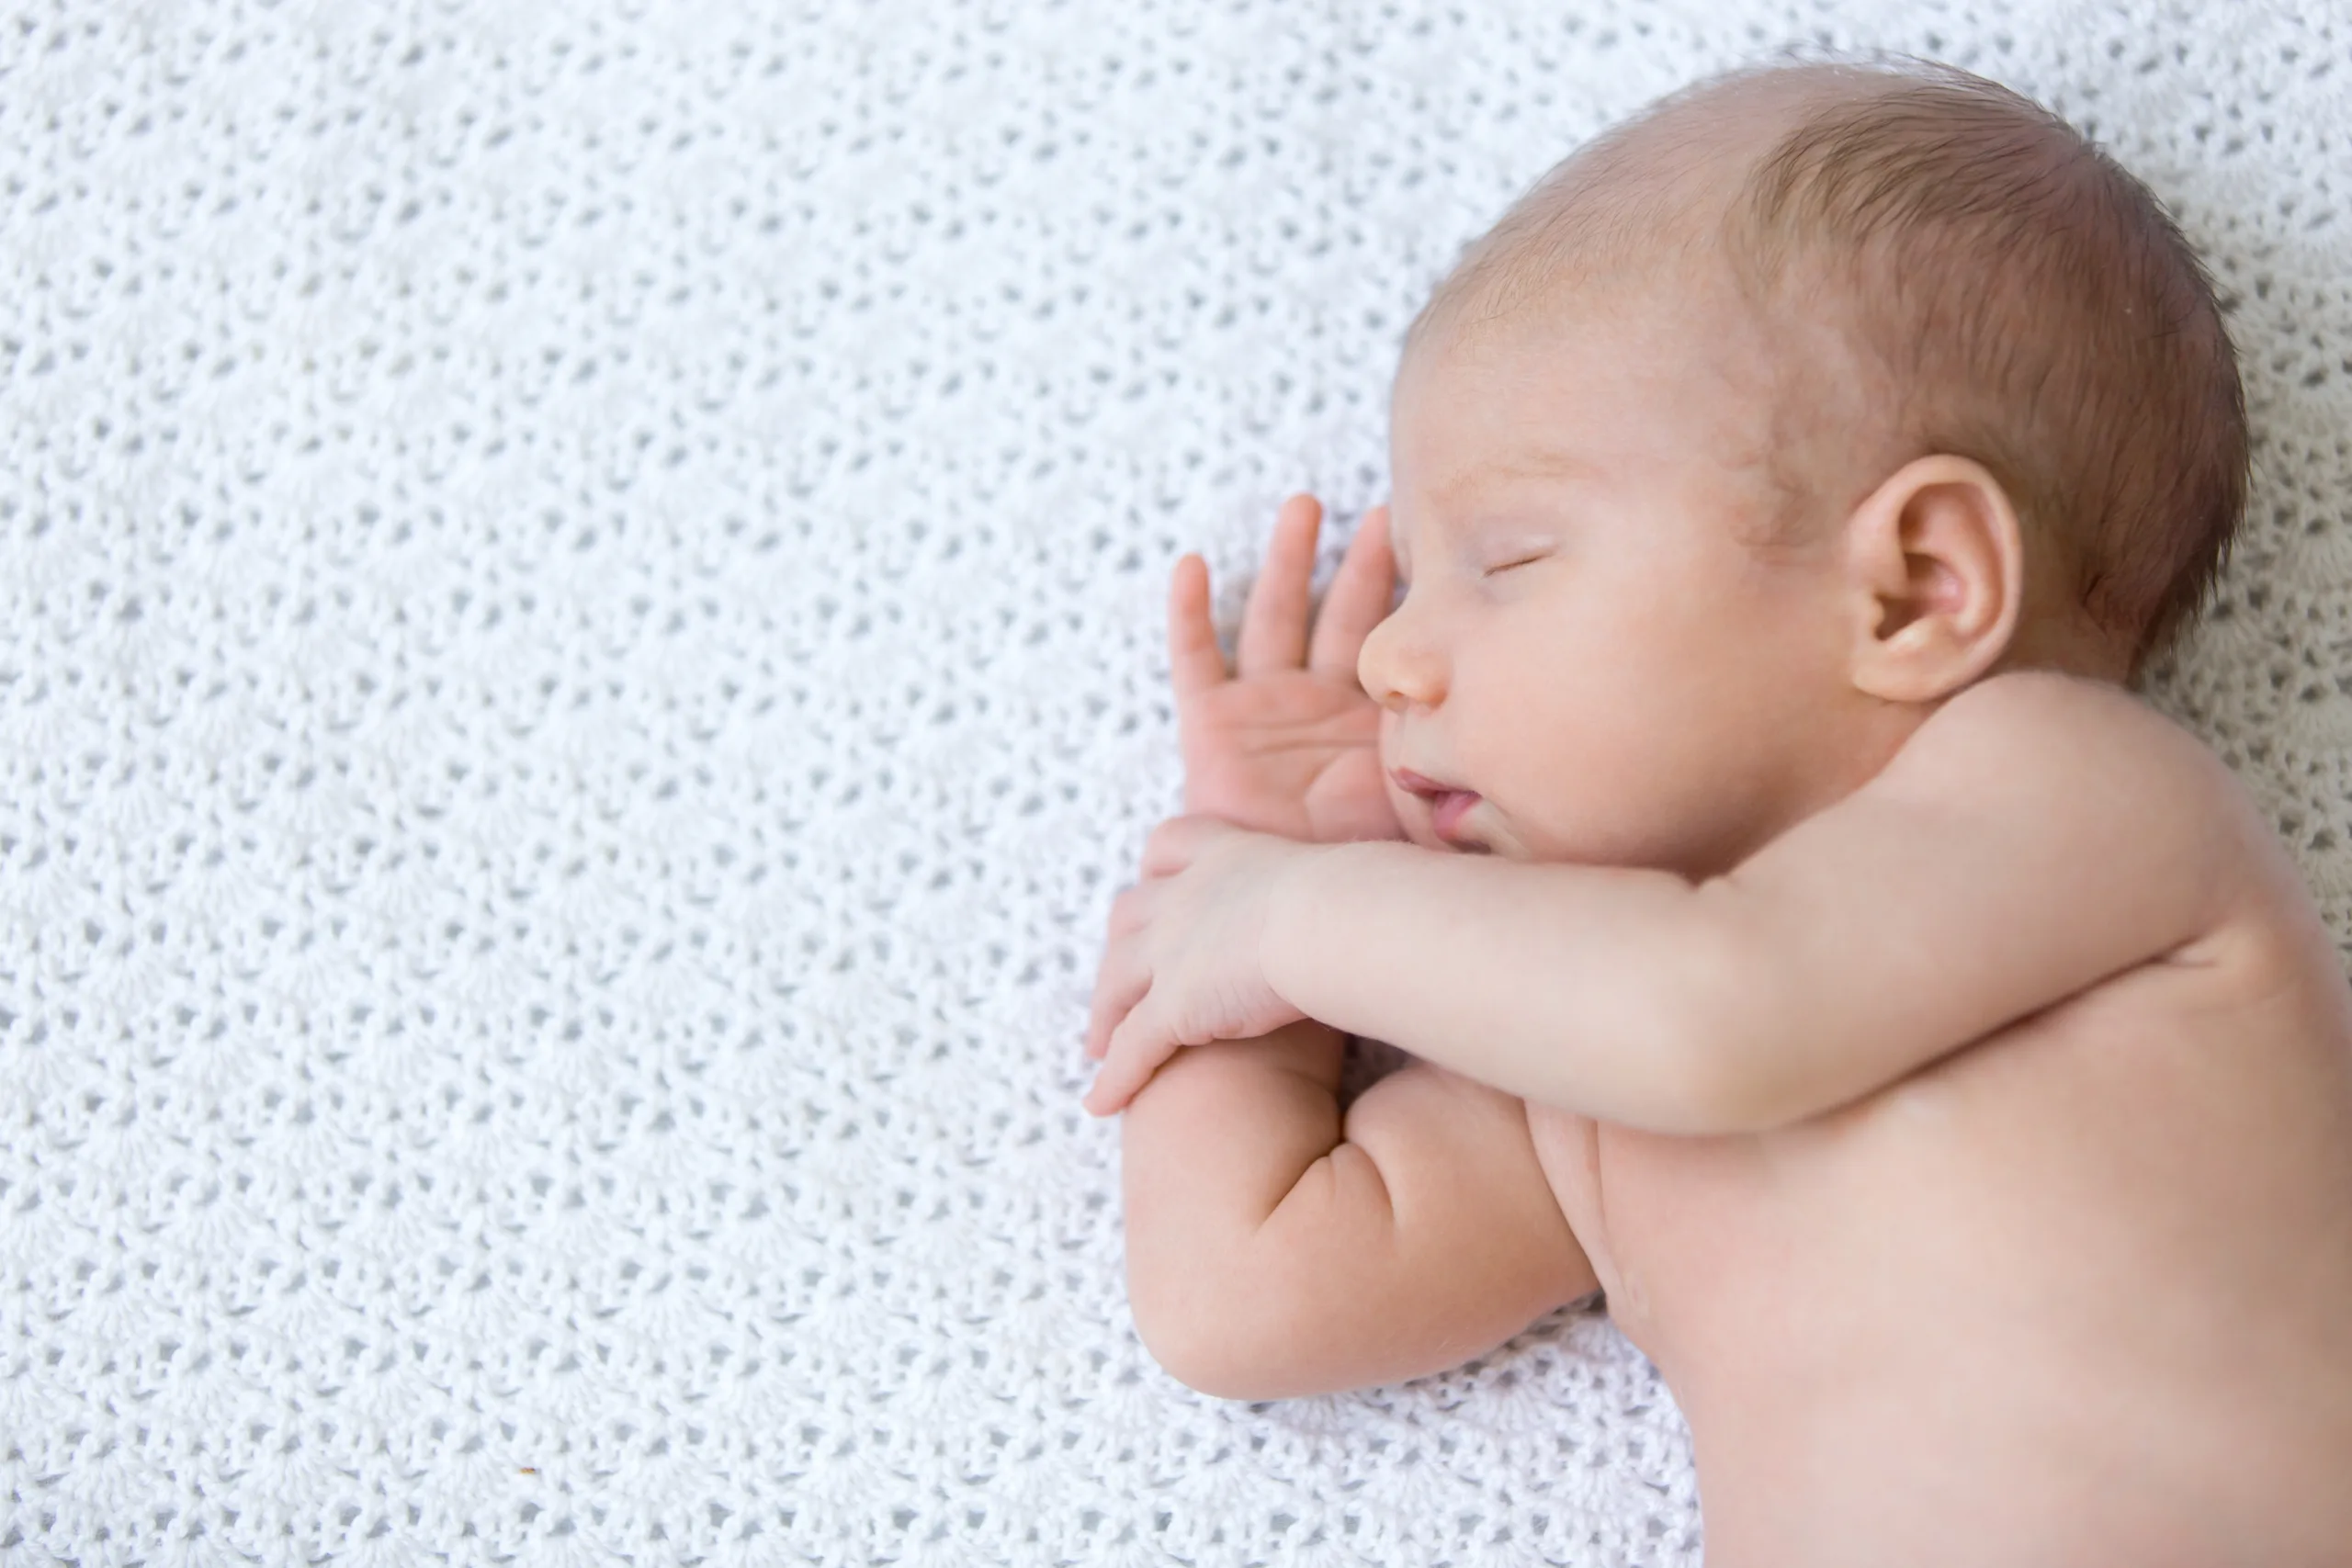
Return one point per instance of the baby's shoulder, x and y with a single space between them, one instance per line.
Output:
2090 759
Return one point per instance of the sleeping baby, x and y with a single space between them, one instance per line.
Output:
1801 935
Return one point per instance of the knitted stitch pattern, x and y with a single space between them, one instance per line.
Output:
581 664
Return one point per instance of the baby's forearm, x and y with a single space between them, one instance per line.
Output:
1277 1248
1209 1149
1602 990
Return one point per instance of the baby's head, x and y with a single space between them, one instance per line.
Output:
1763 425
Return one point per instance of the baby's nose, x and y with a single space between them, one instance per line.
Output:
1398 666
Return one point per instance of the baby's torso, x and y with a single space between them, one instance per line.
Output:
2080 1293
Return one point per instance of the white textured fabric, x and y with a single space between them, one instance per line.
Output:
581 662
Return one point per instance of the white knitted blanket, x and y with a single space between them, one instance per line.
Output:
581 663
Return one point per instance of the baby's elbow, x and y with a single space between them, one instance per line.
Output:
1727 1094
1171 1330
1724 1081
1206 1364
1215 1334
1695 1090
1717 1067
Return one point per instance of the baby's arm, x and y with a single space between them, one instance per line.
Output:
2035 836
1276 1248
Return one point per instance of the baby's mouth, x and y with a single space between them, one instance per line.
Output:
1448 806
1445 817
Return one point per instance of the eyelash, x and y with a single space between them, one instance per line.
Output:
1405 583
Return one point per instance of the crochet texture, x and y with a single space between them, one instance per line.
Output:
581 664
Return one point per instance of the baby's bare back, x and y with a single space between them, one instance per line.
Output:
2079 1293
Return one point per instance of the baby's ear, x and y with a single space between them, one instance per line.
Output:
1935 573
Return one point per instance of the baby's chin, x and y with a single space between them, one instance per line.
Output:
1420 836
1414 819
1487 841
1499 836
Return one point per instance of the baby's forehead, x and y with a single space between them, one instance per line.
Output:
1675 353
1602 410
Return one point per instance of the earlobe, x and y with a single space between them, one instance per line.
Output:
1935 563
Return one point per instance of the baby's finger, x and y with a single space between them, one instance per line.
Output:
1119 984
1126 1068
1112 1003
1273 624
1193 663
1177 842
1358 597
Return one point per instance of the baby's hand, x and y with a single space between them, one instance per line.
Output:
1290 744
1182 968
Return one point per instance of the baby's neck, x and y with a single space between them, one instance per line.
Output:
2068 645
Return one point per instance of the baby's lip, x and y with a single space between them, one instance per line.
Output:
1448 805
1412 782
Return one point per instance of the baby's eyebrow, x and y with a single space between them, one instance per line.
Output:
1543 468
1551 463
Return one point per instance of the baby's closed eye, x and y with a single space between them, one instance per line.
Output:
1513 556
1497 549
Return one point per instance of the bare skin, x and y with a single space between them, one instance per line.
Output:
1938 1064
1292 747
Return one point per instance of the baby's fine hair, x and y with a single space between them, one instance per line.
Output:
2010 292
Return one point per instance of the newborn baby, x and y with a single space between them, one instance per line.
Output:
1804 938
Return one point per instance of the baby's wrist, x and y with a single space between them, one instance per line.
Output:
1300 888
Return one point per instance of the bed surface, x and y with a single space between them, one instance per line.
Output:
581 665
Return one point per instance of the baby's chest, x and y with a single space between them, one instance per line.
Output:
1640 1204
1786 1232
1653 1212
2078 1158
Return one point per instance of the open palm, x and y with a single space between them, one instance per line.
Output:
1287 742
